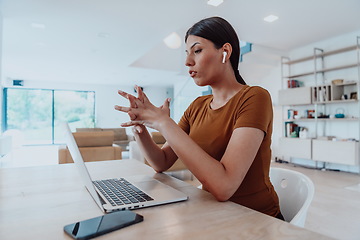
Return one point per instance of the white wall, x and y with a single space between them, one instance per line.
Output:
107 97
185 91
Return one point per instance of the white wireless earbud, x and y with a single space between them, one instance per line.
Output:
224 56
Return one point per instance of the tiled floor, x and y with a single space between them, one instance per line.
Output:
335 210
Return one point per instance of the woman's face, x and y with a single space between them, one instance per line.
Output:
204 60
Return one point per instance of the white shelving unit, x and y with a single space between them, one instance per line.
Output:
324 107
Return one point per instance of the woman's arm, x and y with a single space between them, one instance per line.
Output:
222 178
160 159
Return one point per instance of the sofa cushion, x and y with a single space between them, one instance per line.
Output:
119 133
88 129
90 154
94 139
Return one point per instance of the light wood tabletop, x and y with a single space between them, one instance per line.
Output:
37 202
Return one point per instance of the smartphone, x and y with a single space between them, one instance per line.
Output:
97 226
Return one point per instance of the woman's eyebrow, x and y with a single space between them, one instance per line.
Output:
193 46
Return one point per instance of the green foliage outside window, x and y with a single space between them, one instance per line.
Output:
36 113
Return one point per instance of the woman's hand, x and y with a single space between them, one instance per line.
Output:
142 112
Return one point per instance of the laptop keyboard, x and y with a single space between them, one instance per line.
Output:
120 192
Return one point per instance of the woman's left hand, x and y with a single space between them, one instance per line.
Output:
142 112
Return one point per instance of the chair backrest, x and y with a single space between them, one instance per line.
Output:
295 191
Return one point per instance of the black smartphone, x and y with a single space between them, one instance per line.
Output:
97 226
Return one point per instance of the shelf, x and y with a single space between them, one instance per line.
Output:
337 101
342 50
322 71
346 83
320 119
322 93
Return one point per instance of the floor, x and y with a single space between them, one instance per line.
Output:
335 210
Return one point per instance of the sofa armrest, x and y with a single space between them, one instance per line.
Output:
64 155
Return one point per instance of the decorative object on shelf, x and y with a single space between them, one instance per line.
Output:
340 113
303 134
294 83
310 113
291 129
322 115
292 114
353 95
337 81
322 95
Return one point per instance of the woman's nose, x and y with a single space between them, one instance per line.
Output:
189 61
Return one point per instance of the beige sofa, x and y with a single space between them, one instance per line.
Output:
135 153
93 146
120 137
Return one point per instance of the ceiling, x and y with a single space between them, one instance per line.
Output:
121 42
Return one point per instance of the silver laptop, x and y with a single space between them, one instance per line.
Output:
120 193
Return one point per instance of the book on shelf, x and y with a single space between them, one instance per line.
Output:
292 129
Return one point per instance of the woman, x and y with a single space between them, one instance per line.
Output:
224 138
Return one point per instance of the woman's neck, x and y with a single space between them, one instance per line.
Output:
223 92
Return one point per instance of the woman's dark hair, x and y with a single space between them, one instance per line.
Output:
219 31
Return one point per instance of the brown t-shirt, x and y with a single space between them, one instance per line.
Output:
212 129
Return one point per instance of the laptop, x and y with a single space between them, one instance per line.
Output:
120 193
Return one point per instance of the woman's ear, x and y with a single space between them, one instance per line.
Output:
226 50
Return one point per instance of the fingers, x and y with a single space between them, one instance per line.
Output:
137 129
166 106
124 94
132 101
127 96
132 123
122 109
141 95
167 103
132 116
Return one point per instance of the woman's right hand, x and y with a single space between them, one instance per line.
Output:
142 112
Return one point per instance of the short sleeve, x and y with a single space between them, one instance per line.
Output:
256 110
184 122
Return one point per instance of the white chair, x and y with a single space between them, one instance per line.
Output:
295 191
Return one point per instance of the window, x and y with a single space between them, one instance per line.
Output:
35 114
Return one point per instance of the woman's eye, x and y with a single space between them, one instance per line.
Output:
197 51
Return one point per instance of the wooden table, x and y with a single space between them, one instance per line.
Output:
36 202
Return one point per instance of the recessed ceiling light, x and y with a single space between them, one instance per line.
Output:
271 18
38 25
173 41
215 3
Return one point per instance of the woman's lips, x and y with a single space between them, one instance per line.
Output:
192 73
